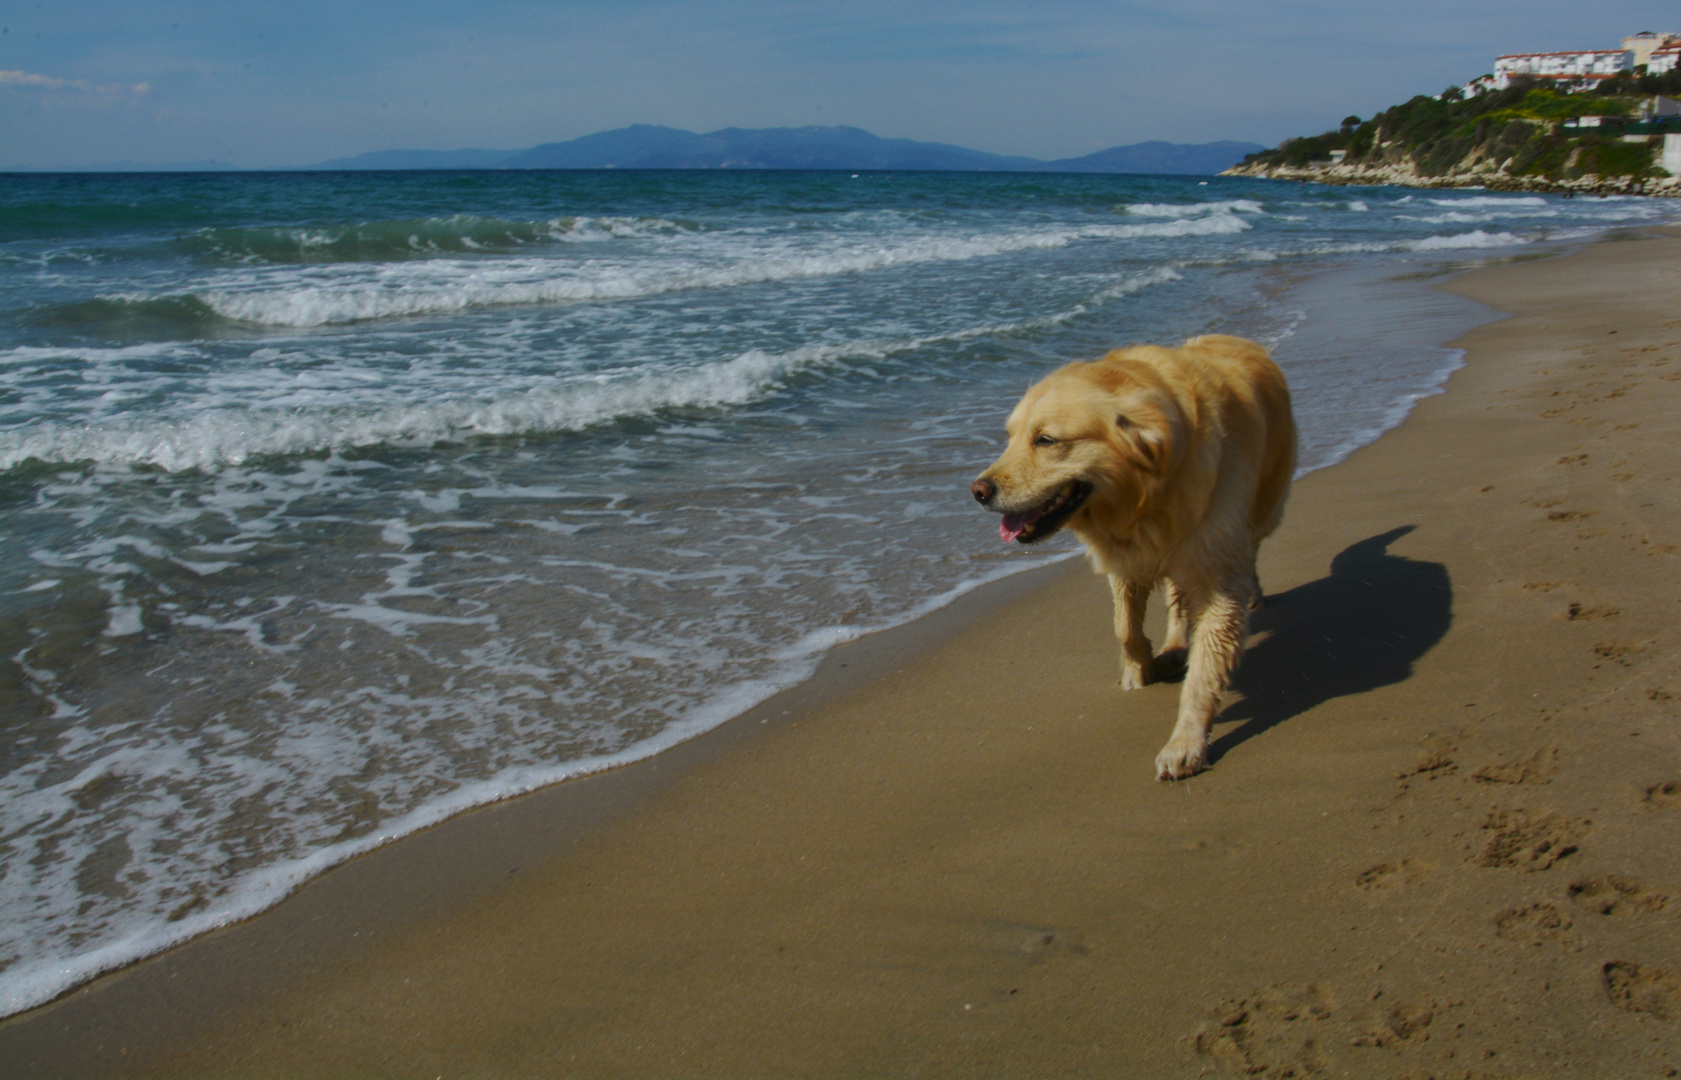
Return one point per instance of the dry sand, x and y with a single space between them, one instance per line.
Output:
1440 836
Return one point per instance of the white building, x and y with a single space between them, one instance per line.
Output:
1664 58
1482 84
1573 67
1659 108
1645 43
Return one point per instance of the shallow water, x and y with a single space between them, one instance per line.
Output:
333 504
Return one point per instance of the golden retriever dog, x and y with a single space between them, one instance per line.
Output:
1171 466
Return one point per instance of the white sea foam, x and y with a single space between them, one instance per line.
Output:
336 295
35 354
1458 217
285 662
210 438
1496 201
377 240
37 980
217 438
1192 210
1475 239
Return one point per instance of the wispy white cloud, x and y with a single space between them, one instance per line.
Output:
81 86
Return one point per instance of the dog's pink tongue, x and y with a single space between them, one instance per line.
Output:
1014 525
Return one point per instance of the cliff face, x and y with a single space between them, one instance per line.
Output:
1524 138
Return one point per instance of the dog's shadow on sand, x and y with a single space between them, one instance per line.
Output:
1359 628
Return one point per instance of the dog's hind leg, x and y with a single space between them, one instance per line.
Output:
1137 668
1170 662
1216 642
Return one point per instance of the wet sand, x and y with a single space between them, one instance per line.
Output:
1439 837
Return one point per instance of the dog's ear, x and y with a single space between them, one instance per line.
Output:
1149 432
1144 421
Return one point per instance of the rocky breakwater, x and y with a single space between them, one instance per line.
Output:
1482 174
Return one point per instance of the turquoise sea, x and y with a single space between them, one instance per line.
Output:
334 504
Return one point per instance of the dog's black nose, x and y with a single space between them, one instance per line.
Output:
983 490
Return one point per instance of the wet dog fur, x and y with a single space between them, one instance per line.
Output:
1171 466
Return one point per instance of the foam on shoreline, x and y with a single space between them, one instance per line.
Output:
943 839
1405 323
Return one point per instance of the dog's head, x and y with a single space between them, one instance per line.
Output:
1089 444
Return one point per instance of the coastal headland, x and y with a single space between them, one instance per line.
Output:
1573 136
1438 838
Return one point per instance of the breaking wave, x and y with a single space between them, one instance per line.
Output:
1230 206
325 296
419 238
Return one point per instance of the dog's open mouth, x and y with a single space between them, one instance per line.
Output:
1047 517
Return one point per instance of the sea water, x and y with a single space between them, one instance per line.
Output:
334 504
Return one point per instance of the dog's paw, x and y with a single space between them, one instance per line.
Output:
1170 665
1181 757
1137 676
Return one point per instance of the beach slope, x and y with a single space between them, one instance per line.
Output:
1438 838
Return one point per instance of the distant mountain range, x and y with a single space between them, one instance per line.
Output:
647 146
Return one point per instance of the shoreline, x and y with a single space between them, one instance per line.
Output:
144 999
1315 296
698 725
1336 175
1403 301
455 884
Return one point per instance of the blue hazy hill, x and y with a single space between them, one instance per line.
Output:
417 159
1157 157
648 146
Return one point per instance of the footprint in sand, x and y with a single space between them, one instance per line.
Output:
1614 895
1664 795
1537 924
1275 1032
1537 768
1615 651
1529 841
1389 874
1642 988
1434 763
1400 1023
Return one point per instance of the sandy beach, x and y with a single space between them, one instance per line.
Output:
1438 840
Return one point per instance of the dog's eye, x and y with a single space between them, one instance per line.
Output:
1045 440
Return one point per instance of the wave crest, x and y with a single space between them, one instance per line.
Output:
441 287
1229 206
417 238
223 437
214 438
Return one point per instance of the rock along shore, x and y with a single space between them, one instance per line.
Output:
1485 176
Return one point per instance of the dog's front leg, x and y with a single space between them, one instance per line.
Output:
1137 667
1216 642
1170 662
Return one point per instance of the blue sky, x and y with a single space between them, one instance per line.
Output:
84 82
